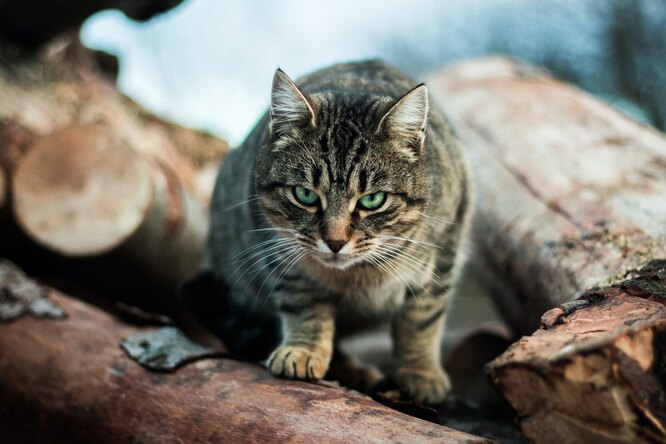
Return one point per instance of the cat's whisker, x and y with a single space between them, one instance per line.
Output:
414 241
434 219
281 258
417 269
258 257
275 255
284 273
260 244
284 260
416 265
416 249
401 250
394 269
288 230
252 198
374 261
405 251
252 254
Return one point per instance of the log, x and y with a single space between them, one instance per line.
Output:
63 86
69 381
570 214
594 371
83 191
57 94
570 193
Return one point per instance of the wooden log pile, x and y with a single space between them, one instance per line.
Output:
86 173
570 235
70 381
571 217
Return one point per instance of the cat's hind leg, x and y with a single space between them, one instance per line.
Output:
351 373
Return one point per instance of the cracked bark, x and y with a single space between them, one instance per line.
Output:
69 381
570 214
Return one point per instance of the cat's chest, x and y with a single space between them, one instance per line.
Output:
364 294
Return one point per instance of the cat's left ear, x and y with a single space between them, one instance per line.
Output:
290 108
407 118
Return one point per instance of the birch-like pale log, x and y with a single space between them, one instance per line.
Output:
571 194
82 191
570 216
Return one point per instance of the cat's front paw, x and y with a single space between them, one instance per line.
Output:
297 363
427 386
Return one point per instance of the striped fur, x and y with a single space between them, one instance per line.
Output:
344 132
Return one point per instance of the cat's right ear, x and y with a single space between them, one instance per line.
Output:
290 108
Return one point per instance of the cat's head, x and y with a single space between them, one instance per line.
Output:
344 172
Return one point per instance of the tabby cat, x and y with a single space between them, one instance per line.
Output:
344 208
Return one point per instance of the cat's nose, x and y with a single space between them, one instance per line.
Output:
335 246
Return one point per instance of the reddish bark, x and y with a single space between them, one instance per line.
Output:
570 203
69 381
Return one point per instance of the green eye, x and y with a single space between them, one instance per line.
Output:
372 201
305 197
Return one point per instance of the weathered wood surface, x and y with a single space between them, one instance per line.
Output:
570 204
570 191
64 86
69 381
594 371
83 191
98 175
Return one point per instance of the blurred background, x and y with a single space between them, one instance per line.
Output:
208 64
95 186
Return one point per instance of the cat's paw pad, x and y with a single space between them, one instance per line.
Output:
426 386
297 363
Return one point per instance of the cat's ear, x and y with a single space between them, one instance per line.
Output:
290 108
407 118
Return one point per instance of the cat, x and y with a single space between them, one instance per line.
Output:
345 207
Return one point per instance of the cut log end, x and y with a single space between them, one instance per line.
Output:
591 372
81 191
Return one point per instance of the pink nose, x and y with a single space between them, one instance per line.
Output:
335 246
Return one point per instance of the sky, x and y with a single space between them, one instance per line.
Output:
208 64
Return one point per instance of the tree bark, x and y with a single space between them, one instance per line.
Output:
63 86
570 193
82 191
69 381
570 213
99 177
594 371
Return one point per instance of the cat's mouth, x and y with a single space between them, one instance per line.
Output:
337 260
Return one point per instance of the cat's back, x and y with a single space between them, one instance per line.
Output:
371 76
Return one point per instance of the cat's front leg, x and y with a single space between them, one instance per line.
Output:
416 332
307 345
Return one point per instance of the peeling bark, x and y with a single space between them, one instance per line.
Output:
570 193
593 371
570 214
69 381
106 181
83 191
